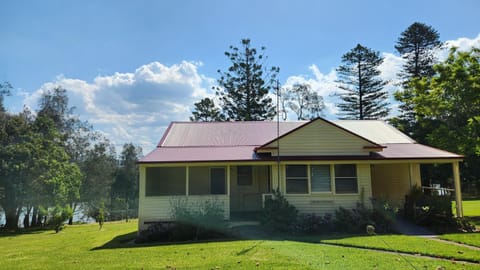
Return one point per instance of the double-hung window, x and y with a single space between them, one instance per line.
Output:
297 179
346 178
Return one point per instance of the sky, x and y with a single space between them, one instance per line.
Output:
132 67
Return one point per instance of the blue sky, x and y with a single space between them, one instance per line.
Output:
131 67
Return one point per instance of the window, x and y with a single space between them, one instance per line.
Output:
320 178
165 181
244 175
204 180
346 178
297 179
217 181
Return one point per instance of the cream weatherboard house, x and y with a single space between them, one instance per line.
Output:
318 165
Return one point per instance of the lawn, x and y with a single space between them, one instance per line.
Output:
409 244
472 239
87 247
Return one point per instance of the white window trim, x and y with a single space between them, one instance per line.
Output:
333 187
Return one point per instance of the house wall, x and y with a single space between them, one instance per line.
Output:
327 202
321 138
248 197
159 208
393 181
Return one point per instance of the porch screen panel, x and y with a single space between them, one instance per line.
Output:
218 181
346 178
165 181
320 178
297 179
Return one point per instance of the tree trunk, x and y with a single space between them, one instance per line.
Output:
11 219
26 218
34 217
70 219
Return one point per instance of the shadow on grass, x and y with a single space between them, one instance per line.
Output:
18 232
248 232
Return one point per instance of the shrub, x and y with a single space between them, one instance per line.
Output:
278 214
433 211
58 215
356 220
193 222
311 223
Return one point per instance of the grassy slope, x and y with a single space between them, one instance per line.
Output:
465 238
80 247
409 244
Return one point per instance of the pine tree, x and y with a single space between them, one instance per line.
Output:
243 89
206 111
363 95
416 45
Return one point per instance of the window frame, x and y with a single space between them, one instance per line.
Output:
148 193
224 181
249 174
333 184
307 178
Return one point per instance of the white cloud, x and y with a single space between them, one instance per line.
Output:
134 107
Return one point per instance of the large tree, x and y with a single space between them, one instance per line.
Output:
416 45
206 111
303 101
124 192
363 95
243 89
449 105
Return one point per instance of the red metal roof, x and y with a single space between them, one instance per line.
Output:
237 141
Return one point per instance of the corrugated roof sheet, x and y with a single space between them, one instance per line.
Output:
236 141
375 130
224 133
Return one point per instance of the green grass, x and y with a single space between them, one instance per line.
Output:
472 239
409 244
471 208
85 247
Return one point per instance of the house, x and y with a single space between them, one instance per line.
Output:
318 165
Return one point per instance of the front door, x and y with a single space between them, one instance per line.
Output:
247 185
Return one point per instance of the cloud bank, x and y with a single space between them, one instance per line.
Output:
137 106
134 107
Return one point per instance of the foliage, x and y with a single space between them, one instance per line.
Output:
101 215
356 220
204 220
206 111
243 89
449 104
434 211
99 167
417 45
58 215
304 102
278 214
363 95
313 224
125 187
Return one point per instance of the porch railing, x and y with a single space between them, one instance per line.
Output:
442 191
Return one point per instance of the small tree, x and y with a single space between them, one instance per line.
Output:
101 215
363 95
206 111
304 102
278 214
243 89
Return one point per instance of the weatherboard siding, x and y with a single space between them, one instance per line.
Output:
321 138
328 202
